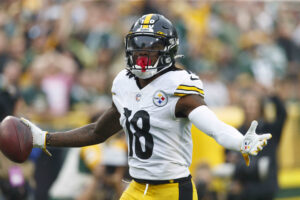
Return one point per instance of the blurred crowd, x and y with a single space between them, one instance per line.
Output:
58 59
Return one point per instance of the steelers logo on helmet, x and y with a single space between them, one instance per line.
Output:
151 46
160 98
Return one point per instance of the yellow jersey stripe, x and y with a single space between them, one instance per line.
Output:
190 88
184 94
147 20
180 94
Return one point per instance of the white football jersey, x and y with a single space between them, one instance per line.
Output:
159 144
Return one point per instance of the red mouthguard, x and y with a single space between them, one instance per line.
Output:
143 61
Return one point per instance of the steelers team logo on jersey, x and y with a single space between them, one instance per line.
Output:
160 98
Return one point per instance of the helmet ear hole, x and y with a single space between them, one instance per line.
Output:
165 60
168 60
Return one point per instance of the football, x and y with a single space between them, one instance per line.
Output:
15 139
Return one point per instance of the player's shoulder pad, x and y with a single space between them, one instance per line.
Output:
188 83
119 81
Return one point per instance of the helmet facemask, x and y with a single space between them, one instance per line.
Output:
147 54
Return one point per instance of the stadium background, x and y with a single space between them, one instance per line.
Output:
66 53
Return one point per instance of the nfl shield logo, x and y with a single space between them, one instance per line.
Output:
138 97
160 98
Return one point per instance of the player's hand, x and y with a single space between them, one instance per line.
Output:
253 143
39 136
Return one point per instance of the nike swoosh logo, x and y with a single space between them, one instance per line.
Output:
193 79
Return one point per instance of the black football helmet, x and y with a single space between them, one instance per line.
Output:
151 46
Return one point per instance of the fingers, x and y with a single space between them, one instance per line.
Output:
252 127
24 121
259 147
265 142
255 152
31 125
266 136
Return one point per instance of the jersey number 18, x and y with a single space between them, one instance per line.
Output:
139 133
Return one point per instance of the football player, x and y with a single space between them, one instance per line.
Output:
156 103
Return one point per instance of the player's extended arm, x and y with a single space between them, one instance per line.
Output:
94 133
194 107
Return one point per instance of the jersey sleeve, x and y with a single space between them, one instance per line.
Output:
190 84
118 83
118 90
